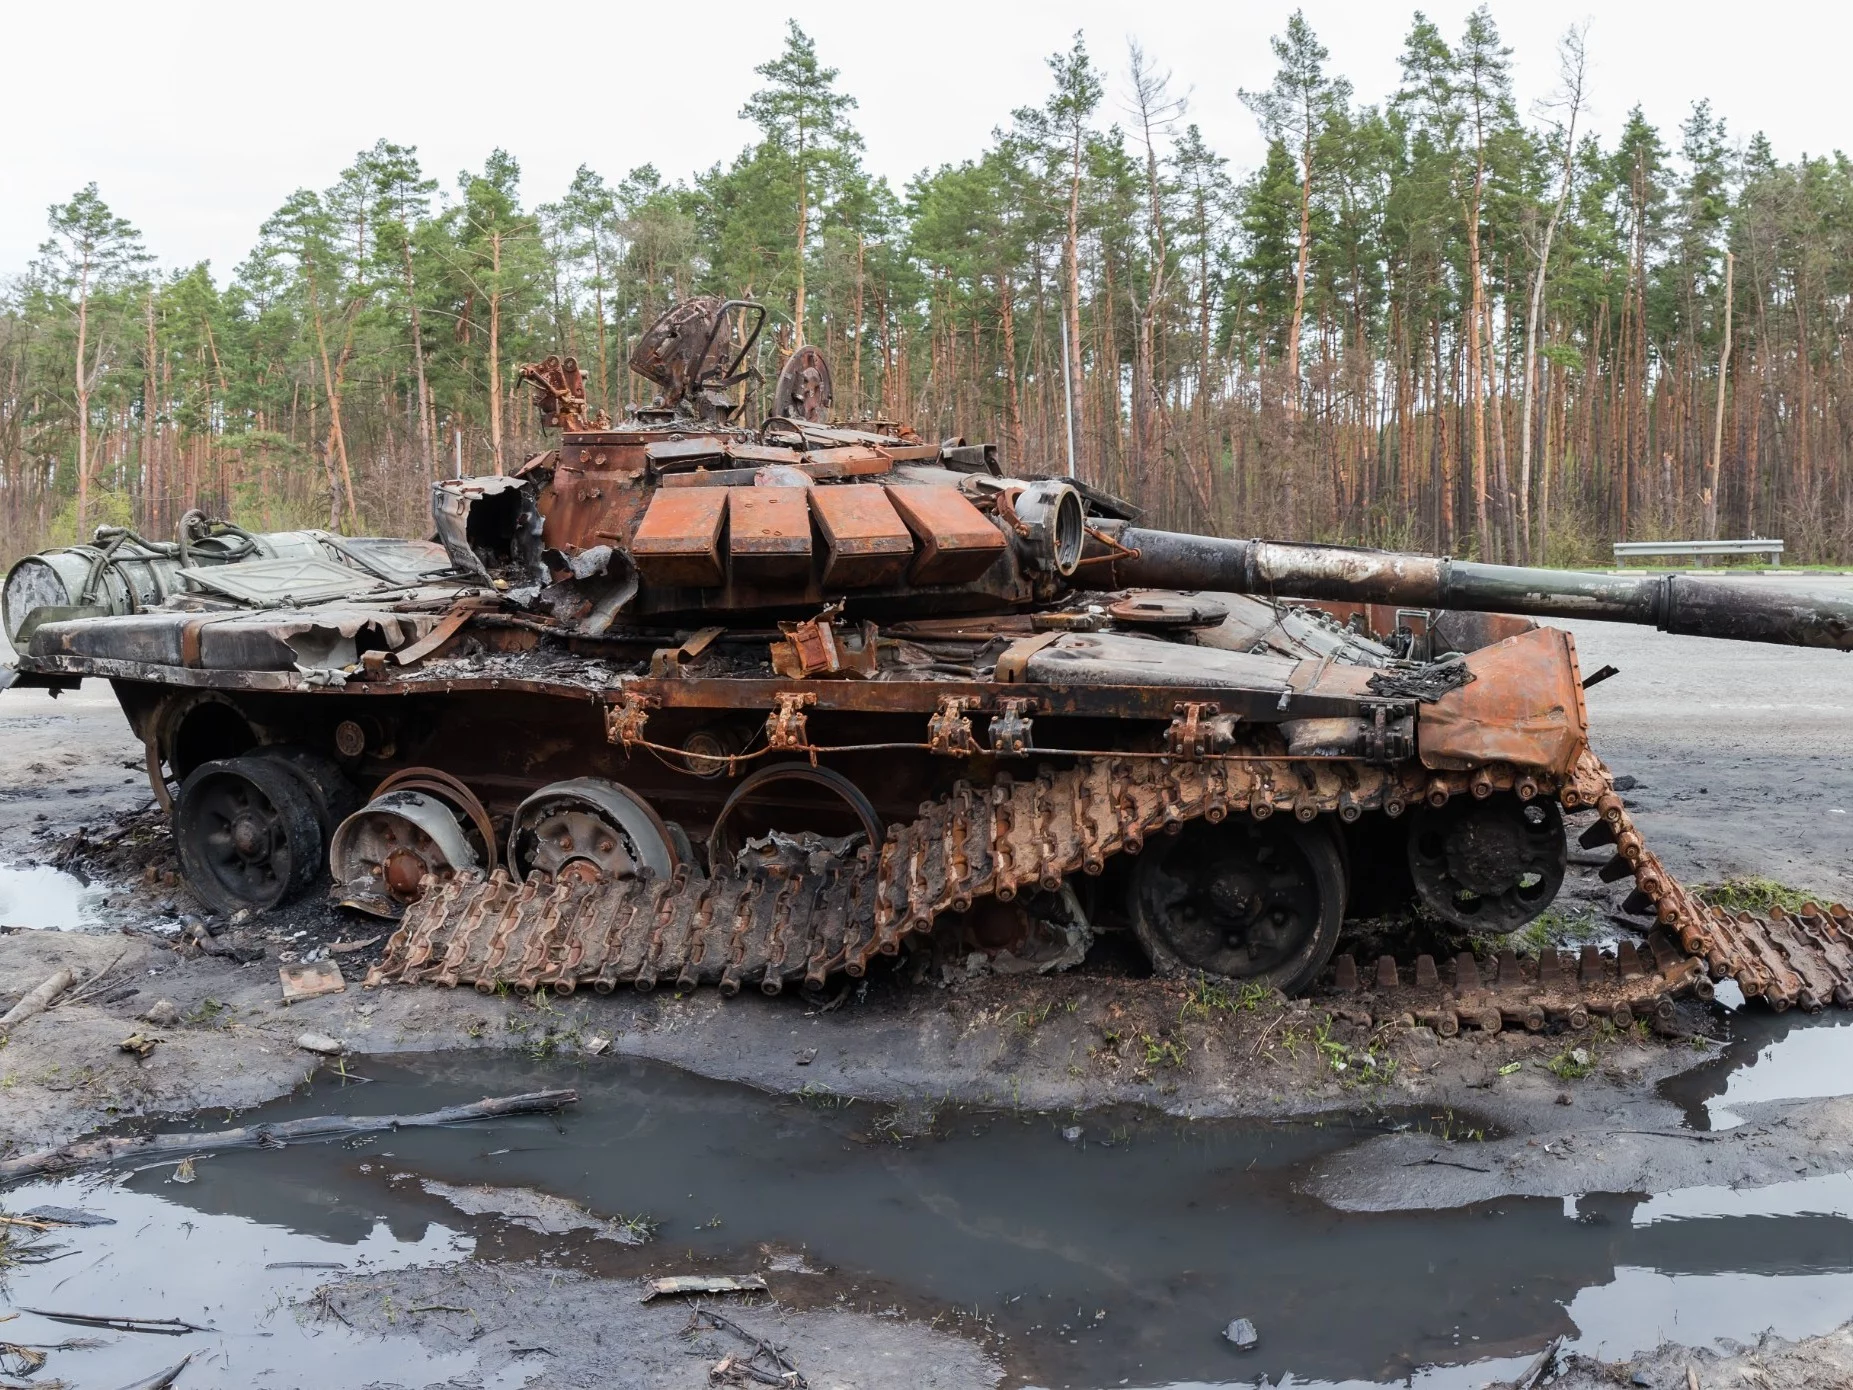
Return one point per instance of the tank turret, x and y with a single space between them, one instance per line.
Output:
686 511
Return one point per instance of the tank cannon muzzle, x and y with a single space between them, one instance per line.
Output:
1673 603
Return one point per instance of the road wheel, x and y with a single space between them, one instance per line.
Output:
248 834
1250 900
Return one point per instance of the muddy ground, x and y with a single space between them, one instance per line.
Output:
1743 766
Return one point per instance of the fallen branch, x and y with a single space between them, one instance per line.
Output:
39 999
784 1372
1540 1368
161 1380
1433 1162
92 1153
165 1327
98 982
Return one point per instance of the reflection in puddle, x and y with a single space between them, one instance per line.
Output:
38 896
1113 1259
1770 1057
164 1260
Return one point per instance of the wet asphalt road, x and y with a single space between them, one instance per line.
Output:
1744 751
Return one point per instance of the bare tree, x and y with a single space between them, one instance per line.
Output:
89 249
1567 104
1156 110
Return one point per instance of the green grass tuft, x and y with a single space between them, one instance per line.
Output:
1755 894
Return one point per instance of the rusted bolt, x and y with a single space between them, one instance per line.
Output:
1393 807
1261 810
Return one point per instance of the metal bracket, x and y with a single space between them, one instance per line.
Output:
624 721
949 731
1011 732
669 661
822 647
1193 733
785 726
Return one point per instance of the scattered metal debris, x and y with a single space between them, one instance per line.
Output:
310 980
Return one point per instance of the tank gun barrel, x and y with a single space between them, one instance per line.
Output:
1673 603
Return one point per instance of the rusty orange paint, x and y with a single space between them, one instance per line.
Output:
957 542
1523 707
769 532
678 542
868 542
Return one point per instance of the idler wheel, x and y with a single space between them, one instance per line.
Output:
591 830
248 834
1250 900
1489 865
380 855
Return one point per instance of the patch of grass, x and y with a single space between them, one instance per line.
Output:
1572 1064
1452 1129
1553 928
1205 997
210 1012
1163 1052
822 1097
1029 1020
1754 894
1356 1066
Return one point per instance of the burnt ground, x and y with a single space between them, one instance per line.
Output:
1742 767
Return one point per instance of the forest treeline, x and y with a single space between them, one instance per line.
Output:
1432 322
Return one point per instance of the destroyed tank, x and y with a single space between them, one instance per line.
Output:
697 699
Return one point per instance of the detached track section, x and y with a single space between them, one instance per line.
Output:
797 924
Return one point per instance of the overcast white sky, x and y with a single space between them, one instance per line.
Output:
198 117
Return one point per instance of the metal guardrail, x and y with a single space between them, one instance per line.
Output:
1626 550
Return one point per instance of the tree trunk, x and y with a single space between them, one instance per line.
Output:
337 442
1717 429
83 401
804 223
1076 398
495 349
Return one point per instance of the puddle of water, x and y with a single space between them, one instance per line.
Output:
38 896
1170 1229
166 1259
1769 1056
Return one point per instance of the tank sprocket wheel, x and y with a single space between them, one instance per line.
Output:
1487 866
248 834
1256 901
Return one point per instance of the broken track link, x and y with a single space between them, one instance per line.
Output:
1557 989
1786 960
780 925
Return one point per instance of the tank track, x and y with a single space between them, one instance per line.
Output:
798 923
